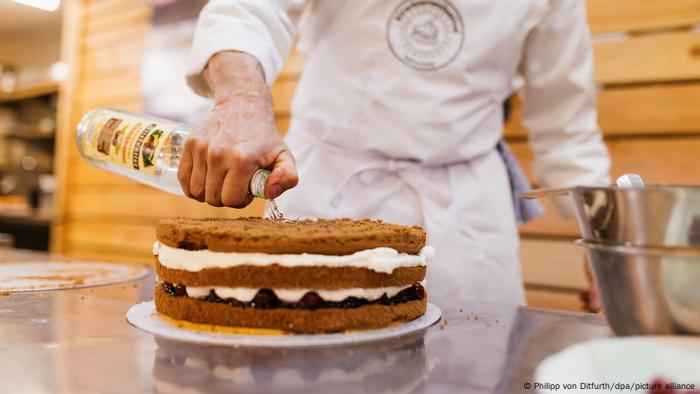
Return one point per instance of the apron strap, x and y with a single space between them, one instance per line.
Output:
410 172
525 210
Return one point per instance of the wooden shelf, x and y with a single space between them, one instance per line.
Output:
34 136
25 220
30 91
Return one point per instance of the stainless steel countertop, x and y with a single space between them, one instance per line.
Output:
78 341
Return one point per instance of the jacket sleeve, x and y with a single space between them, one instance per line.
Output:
263 29
560 108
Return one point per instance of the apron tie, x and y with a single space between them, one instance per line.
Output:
409 171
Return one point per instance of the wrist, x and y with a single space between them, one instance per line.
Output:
233 75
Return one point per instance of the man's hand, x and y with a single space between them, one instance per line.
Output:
238 137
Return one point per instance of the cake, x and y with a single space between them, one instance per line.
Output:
302 276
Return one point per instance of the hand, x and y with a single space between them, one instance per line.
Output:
591 297
238 137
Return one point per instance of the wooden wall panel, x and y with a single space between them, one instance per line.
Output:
670 160
650 87
648 58
636 15
139 204
566 301
105 214
552 264
637 110
655 109
282 93
660 161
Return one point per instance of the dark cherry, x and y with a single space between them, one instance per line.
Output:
234 302
310 300
265 298
351 302
189 245
175 290
212 297
419 291
384 300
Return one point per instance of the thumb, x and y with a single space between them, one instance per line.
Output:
283 175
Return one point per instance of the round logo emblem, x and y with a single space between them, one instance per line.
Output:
425 34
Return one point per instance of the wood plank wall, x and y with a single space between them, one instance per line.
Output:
649 74
647 65
100 215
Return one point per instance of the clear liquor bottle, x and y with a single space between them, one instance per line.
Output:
143 148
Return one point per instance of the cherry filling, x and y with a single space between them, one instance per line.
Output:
266 299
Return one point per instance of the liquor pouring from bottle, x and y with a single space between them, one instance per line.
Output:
145 149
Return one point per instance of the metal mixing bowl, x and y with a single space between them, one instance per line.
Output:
647 291
651 216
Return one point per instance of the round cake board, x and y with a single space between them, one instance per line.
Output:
144 316
55 275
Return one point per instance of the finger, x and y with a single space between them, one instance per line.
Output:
284 175
199 172
216 171
184 170
234 193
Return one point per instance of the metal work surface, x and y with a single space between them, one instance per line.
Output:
78 341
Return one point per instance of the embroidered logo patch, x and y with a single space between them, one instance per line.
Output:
425 34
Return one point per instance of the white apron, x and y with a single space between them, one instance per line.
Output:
465 209
399 109
362 107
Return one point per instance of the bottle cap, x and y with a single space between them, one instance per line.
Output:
257 183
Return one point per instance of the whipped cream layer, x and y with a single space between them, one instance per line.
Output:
246 294
384 260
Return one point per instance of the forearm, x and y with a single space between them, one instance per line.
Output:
233 75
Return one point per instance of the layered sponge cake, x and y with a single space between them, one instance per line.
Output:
295 276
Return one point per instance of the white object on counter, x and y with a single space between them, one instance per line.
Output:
144 317
630 180
633 360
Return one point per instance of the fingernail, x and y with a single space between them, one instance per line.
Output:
275 191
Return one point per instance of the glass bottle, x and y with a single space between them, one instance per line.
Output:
143 148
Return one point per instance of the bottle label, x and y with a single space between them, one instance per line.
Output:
126 140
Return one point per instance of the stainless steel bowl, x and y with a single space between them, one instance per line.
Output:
647 291
656 216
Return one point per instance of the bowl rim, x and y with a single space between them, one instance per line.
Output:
670 251
650 187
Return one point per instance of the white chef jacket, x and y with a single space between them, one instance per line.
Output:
399 109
